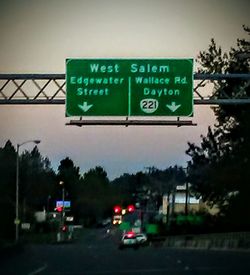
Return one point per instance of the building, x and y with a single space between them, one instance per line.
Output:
182 199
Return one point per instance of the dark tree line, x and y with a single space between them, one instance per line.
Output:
92 195
147 188
219 169
7 190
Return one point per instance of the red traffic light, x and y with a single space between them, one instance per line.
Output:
117 209
131 208
59 209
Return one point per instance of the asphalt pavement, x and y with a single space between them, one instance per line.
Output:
96 252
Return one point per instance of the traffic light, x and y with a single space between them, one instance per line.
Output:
131 208
59 209
117 209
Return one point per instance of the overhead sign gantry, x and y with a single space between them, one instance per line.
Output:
49 89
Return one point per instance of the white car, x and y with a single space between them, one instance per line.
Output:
128 239
141 238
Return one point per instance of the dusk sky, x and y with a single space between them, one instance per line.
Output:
37 37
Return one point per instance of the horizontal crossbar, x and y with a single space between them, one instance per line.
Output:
131 123
197 76
17 89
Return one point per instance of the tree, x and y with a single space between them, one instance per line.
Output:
69 174
7 190
36 178
97 195
148 187
219 167
165 181
36 183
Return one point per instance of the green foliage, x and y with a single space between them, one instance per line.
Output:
69 174
236 61
36 180
219 167
35 184
92 195
7 190
95 196
165 181
148 187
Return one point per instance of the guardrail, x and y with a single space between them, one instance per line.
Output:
232 240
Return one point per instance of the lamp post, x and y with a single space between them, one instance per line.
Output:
62 213
17 221
63 198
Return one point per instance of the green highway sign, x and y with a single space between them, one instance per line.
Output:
129 87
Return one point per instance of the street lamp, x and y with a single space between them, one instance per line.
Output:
62 213
17 185
63 196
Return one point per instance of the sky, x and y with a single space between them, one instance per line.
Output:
38 36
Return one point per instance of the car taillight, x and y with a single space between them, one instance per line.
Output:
130 234
64 228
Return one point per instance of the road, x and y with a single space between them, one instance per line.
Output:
97 253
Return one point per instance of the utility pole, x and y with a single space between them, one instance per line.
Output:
62 213
186 199
17 220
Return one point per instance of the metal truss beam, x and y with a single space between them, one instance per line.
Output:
41 89
34 89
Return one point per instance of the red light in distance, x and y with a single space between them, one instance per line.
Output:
64 228
131 208
130 234
59 209
117 209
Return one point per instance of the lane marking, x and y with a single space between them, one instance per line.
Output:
40 269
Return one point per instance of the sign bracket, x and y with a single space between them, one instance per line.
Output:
127 122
